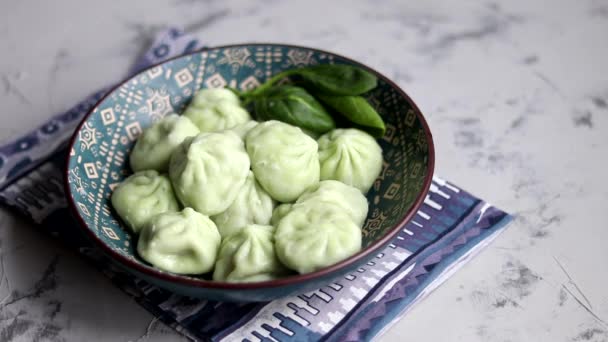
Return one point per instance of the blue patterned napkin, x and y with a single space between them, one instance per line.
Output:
447 231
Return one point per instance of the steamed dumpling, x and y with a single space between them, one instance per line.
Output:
279 212
185 242
283 158
153 149
350 156
216 110
316 235
244 128
345 196
252 205
141 196
210 96
208 171
248 256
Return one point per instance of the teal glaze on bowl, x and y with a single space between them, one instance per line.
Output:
99 153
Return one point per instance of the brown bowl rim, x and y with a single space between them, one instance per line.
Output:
291 280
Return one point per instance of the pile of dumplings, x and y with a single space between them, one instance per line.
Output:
215 191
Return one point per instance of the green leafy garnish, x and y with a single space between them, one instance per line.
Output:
337 86
357 110
295 106
338 79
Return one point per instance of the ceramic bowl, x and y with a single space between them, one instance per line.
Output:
99 153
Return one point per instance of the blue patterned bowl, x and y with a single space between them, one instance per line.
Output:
99 151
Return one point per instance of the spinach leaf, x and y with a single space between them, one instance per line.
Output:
268 85
337 79
295 106
358 111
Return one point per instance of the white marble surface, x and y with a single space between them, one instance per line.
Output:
516 94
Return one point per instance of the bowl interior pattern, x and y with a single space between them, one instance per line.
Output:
98 159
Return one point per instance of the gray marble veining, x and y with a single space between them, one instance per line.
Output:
516 95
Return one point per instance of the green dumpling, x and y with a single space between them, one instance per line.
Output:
252 205
350 156
315 235
279 212
141 196
347 197
208 171
283 158
153 148
211 96
184 242
216 109
248 256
